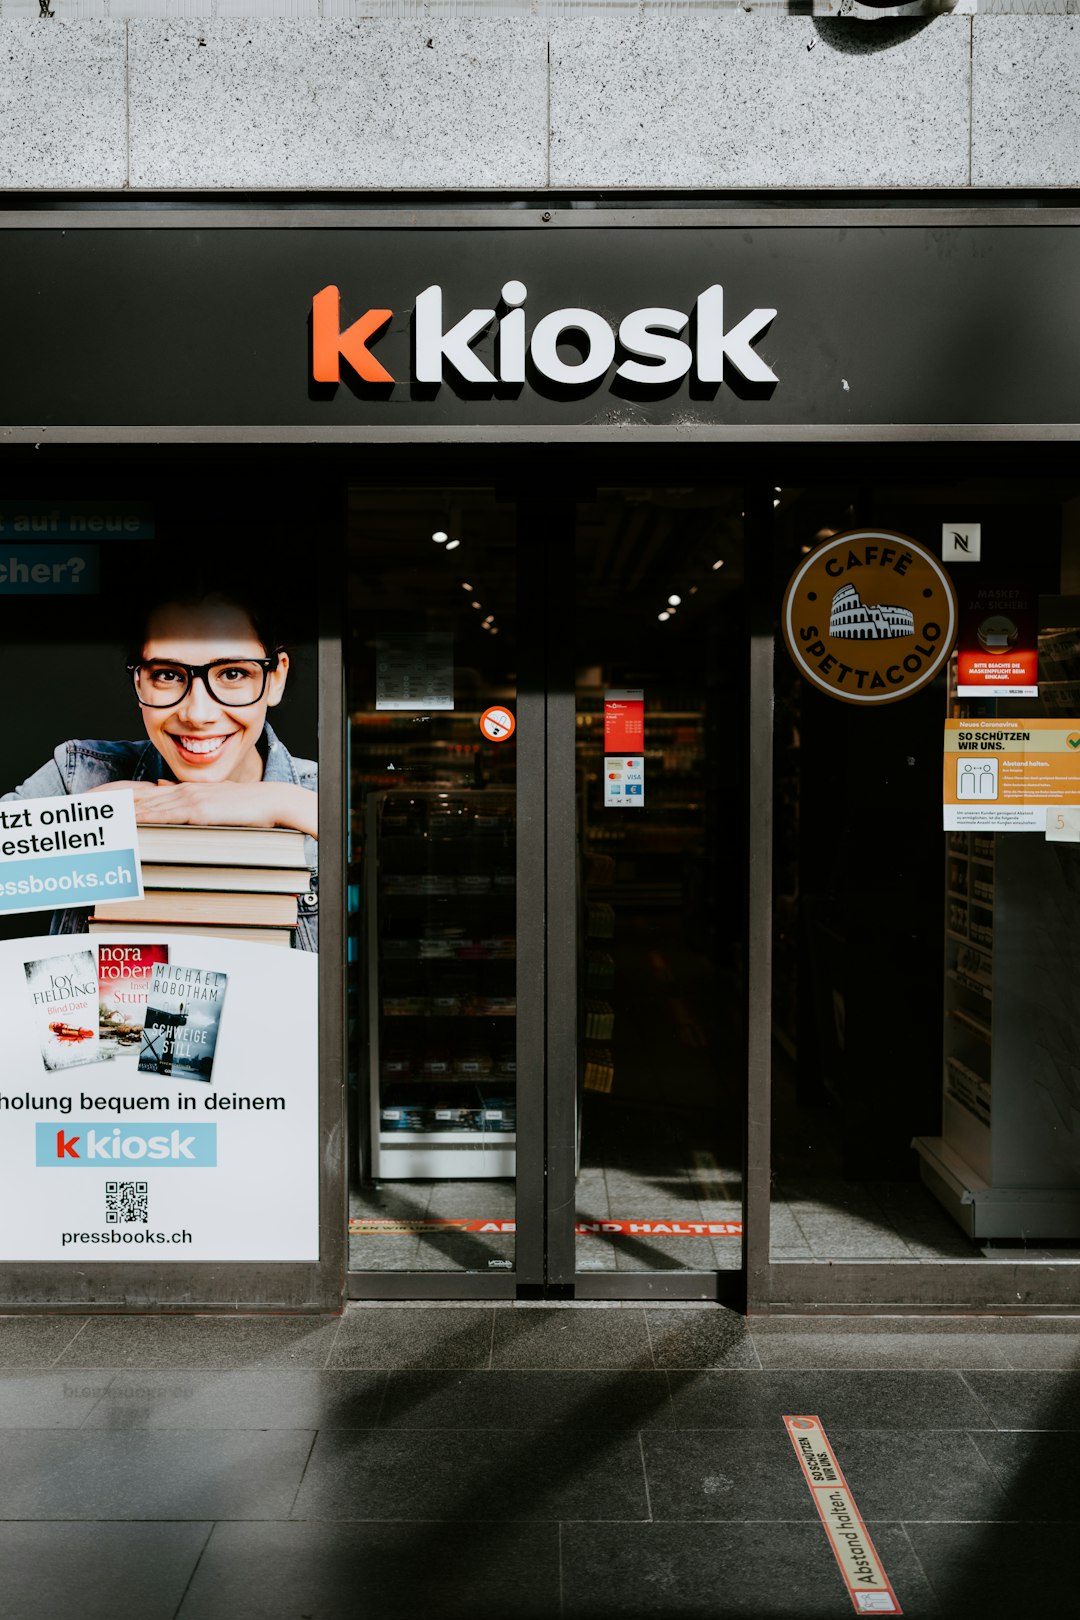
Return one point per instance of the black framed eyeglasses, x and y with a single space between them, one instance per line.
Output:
234 682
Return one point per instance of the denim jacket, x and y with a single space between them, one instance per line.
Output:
81 764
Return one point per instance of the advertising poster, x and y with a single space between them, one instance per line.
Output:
158 893
624 745
997 652
1009 775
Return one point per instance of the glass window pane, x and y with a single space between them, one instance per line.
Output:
926 1003
661 691
432 889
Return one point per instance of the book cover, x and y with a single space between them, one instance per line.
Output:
124 976
64 995
180 1030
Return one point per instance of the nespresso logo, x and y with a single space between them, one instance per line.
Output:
650 347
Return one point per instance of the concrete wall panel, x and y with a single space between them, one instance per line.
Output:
62 105
749 101
1025 101
358 105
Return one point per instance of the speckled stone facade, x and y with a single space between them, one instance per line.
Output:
727 100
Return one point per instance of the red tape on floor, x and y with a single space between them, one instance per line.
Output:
361 1226
868 1585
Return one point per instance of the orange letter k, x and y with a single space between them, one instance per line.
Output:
329 342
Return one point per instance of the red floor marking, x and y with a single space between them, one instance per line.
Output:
361 1225
868 1585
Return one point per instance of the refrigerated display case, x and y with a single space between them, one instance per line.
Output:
439 901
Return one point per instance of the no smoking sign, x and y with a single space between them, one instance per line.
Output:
497 725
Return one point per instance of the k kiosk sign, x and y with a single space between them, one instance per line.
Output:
530 324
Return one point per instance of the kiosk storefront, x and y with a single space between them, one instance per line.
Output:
540 758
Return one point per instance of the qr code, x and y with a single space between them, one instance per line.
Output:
125 1201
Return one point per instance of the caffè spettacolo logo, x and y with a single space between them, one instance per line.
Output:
870 616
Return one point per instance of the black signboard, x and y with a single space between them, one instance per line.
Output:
873 325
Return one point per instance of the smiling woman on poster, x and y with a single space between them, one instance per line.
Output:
205 669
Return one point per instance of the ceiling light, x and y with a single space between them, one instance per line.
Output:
674 601
440 537
693 590
776 503
719 563
452 545
663 617
494 629
465 585
478 604
777 490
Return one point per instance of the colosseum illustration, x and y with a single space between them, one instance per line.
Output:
852 619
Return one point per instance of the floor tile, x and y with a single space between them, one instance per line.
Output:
1030 1400
1037 1472
987 1571
932 1474
728 1252
700 1338
45 1400
466 1251
379 1571
271 1398
202 1341
505 1400
557 1340
799 1349
594 1254
723 1572
874 1400
137 1475
449 1474
1049 1351
36 1341
409 1338
730 1475
882 1322
474 1200
658 1252
97 1571
392 1252
405 1199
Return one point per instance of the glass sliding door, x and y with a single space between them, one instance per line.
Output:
660 698
433 969
547 890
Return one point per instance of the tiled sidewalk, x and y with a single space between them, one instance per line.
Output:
587 1462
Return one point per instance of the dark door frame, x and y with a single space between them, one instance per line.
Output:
547 926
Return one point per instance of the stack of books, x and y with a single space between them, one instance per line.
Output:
223 882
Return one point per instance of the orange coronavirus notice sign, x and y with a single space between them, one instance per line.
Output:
1008 775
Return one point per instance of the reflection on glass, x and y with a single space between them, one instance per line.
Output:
432 940
662 1044
926 993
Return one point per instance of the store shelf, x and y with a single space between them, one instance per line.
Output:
968 1021
450 1138
434 970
